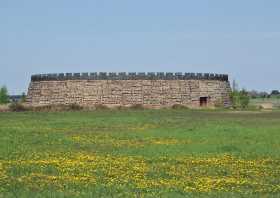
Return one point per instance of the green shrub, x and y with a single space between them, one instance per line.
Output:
23 97
17 107
42 108
4 97
234 97
101 107
75 107
219 104
57 108
244 99
240 99
254 107
137 107
179 106
120 107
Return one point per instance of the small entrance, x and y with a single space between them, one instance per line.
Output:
203 101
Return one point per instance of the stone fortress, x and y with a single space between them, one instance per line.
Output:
151 89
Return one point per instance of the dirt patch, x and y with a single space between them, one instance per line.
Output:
4 108
266 105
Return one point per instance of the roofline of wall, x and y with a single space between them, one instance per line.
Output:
129 76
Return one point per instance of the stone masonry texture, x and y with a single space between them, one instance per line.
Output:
126 89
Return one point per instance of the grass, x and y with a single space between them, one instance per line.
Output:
140 153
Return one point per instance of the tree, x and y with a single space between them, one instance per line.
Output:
234 86
263 94
253 94
4 97
240 99
244 99
234 99
23 97
275 93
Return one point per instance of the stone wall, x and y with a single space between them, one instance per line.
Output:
151 90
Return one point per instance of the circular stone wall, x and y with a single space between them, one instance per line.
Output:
122 89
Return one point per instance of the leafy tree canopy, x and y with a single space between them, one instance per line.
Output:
4 97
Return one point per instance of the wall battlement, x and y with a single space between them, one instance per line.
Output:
129 76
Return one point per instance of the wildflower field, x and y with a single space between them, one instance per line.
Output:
140 153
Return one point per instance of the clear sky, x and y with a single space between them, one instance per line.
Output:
238 37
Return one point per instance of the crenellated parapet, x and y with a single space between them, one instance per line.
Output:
129 76
152 89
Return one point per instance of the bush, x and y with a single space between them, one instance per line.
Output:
179 106
255 107
4 97
23 97
244 99
120 107
137 107
42 108
61 107
101 107
75 107
234 97
17 107
240 99
219 104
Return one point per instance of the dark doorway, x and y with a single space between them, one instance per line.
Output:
203 101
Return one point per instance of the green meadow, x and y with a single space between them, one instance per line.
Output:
140 153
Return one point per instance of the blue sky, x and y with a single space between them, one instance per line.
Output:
238 37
